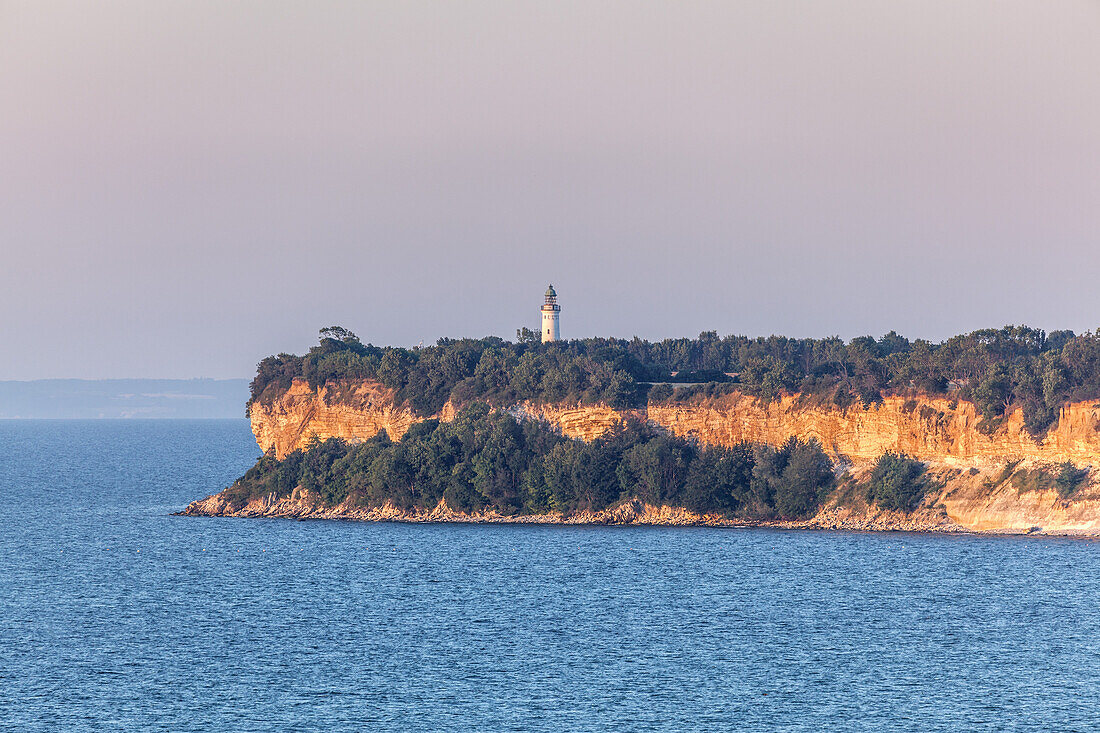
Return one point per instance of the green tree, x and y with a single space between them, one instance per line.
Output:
897 482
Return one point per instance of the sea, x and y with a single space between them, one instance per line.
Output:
116 615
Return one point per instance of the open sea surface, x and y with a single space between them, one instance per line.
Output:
115 615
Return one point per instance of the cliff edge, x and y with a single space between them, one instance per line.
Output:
927 428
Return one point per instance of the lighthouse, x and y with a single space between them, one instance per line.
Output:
550 311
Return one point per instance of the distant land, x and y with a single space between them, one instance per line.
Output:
122 398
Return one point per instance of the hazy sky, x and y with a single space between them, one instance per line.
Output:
186 187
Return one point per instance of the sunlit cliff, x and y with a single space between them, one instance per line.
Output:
977 493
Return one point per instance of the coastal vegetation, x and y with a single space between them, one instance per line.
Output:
897 482
486 460
1065 479
999 370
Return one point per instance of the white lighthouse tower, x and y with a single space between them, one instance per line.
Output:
550 311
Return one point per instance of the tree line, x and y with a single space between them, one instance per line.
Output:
997 369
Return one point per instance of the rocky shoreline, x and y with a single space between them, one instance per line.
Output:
627 513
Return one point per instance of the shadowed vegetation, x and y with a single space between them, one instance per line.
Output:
897 482
485 459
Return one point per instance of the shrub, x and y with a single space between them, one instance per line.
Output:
897 482
1069 479
660 393
1036 479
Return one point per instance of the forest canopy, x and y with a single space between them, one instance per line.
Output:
999 370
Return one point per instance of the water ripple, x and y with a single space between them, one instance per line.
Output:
116 616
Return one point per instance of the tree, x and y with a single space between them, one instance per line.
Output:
790 481
807 479
897 482
654 471
718 480
995 392
528 337
1002 369
338 333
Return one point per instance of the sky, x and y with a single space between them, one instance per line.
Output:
186 187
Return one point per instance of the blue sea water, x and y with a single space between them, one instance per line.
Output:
115 615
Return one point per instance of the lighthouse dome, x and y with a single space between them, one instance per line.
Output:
550 292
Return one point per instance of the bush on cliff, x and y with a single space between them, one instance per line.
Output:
1066 479
792 481
897 482
485 459
1069 479
660 392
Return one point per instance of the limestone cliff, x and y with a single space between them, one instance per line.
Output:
970 464
928 428
581 422
351 411
357 411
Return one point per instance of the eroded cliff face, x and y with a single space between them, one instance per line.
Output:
1004 508
931 429
582 422
357 411
353 412
981 498
939 431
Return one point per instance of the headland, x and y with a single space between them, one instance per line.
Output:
996 431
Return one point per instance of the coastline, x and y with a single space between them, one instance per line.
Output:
624 514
